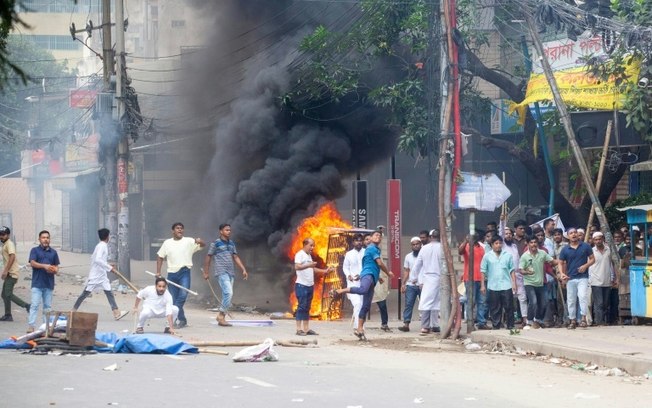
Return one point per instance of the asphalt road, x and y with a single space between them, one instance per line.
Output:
392 370
338 375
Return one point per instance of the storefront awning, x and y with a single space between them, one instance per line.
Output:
68 181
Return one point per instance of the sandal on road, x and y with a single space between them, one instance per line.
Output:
301 333
312 333
360 335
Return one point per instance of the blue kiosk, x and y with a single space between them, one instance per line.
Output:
640 269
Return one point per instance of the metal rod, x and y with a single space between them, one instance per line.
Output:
174 284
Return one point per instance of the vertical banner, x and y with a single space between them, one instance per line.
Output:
359 217
394 229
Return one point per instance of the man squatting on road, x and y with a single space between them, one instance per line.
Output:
157 302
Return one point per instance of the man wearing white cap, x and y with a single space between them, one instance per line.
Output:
602 277
410 284
352 266
428 267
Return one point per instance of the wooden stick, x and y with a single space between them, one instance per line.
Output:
174 284
121 276
251 343
219 302
209 351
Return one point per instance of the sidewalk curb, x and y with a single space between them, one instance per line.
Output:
631 364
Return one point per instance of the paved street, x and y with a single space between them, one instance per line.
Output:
392 370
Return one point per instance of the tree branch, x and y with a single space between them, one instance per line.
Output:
477 68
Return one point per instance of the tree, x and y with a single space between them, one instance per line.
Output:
378 60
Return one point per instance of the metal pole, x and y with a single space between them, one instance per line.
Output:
107 134
577 152
392 175
123 146
471 292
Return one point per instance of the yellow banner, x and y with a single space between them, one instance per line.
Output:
578 88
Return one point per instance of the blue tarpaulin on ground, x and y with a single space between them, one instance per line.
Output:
147 343
11 344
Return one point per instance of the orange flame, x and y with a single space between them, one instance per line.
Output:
316 227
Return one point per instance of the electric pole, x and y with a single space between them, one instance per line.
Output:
114 147
108 136
123 147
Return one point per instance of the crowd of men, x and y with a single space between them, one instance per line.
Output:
524 276
165 299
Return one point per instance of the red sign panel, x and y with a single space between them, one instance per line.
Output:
394 226
81 98
123 181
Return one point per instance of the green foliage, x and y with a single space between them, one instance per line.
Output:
385 59
626 50
405 100
341 64
9 20
617 218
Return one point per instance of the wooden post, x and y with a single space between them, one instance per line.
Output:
603 159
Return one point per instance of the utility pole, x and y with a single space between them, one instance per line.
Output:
575 147
108 137
123 147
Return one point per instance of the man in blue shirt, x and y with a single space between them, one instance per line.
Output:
45 265
371 267
497 267
224 256
574 260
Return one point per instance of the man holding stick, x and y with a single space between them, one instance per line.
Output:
178 251
224 256
97 277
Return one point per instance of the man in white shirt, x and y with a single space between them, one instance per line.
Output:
97 277
352 266
178 250
305 268
410 284
602 277
157 302
428 267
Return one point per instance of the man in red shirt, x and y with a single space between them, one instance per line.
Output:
479 299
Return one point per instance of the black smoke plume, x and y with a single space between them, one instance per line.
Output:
269 168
